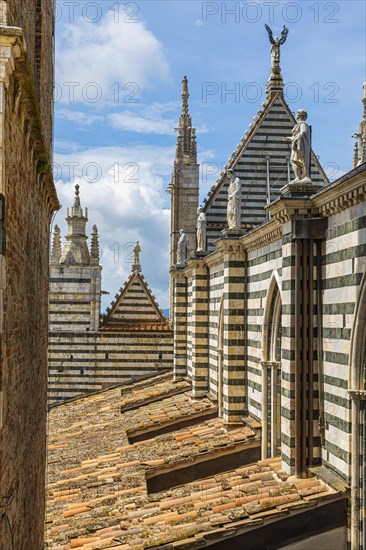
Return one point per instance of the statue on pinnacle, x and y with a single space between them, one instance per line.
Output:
276 49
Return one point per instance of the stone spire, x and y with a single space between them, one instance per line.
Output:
136 266
76 250
56 246
186 149
94 248
359 155
184 187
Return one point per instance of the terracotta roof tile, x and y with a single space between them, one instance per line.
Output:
106 504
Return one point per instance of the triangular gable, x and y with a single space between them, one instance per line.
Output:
135 304
263 140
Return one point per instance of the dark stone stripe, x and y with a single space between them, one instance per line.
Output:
336 357
348 227
340 282
69 280
339 309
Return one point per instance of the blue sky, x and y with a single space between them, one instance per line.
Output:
119 67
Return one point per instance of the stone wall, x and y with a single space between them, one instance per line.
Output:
83 362
29 200
36 19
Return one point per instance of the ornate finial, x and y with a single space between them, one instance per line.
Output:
275 82
94 248
77 196
185 96
360 136
136 266
56 246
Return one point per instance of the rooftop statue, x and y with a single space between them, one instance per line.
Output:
275 49
136 266
234 201
201 230
300 148
182 248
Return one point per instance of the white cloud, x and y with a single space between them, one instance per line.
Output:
131 122
107 53
135 208
78 117
151 119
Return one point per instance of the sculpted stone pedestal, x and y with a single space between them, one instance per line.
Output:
236 232
302 188
198 254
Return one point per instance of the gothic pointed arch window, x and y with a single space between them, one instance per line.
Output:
271 373
274 333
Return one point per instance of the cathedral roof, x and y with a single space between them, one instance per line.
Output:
98 493
262 142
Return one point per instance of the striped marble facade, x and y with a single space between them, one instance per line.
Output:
200 301
254 360
86 354
233 360
84 362
74 299
180 325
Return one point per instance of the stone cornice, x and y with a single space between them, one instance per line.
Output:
285 208
342 194
214 259
262 236
182 271
196 264
229 245
338 196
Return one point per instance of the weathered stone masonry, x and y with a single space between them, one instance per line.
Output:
28 200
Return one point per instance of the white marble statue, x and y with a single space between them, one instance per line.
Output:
234 201
300 148
276 44
182 247
201 230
